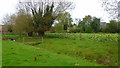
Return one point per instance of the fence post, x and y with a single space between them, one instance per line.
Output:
23 39
42 39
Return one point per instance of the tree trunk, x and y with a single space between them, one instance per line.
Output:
41 34
30 33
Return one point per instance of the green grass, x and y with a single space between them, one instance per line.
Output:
0 50
102 37
13 36
60 52
18 54
100 52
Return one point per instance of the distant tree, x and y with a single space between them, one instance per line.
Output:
23 23
77 30
118 27
81 26
52 30
59 27
87 19
113 8
81 23
113 26
85 24
88 29
95 24
77 20
9 21
65 20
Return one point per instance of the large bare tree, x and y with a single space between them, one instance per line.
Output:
45 12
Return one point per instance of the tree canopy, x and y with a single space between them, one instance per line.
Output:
44 13
23 23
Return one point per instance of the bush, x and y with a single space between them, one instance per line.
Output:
89 29
74 30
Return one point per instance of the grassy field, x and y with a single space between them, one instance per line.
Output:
18 54
0 50
60 52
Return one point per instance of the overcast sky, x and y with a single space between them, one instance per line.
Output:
82 8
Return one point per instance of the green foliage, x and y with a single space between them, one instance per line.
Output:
81 23
77 30
23 23
88 29
43 21
118 27
89 24
59 27
9 21
113 26
87 19
37 17
13 36
65 19
64 22
52 30
95 24
89 36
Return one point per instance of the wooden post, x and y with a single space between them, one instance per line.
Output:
23 39
42 39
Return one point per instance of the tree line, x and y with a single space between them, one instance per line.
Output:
39 17
35 17
88 24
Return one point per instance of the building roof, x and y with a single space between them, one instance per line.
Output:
102 23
